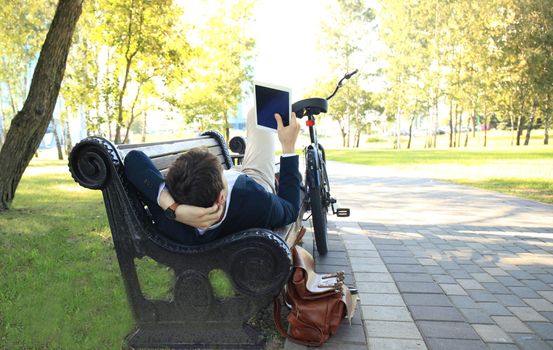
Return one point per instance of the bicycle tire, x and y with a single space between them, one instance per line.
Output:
319 213
318 217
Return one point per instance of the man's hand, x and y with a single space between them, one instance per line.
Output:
199 217
288 135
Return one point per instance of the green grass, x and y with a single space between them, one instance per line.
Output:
59 278
521 171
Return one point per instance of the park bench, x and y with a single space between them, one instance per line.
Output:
257 261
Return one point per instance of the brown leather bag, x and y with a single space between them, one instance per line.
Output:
318 302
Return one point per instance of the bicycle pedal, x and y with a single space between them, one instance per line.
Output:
342 212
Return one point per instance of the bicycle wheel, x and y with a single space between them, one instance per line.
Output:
319 210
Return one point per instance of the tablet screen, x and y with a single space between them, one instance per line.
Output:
269 100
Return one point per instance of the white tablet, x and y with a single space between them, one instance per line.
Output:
271 99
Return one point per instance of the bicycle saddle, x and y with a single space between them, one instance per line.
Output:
310 106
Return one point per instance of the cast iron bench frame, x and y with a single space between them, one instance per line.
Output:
257 261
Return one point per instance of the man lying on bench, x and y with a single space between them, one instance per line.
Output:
199 201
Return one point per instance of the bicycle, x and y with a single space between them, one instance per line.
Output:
318 198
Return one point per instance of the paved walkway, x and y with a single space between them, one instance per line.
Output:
440 266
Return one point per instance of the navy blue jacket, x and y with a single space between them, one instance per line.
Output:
250 206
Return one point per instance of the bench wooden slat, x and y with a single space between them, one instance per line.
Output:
164 162
160 149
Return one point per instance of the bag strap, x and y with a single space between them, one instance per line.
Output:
280 328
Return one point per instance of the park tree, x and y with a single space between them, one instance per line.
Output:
221 68
22 30
344 39
29 124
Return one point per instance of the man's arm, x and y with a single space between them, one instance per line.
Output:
191 215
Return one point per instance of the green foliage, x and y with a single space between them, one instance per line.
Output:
344 39
491 58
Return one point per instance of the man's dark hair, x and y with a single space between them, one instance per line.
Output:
195 178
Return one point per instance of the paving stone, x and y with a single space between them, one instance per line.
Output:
396 344
386 313
455 344
349 334
537 285
404 253
443 279
546 277
471 267
543 329
459 274
372 277
392 247
377 241
435 270
522 275
483 277
360 267
495 271
411 277
511 324
547 295
390 329
359 260
510 300
362 253
539 304
377 287
450 330
481 295
526 314
452 289
462 301
524 292
399 260
509 281
476 316
405 268
530 342
427 262
492 333
469 284
435 313
494 309
381 299
504 346
496 288
548 315
421 299
419 287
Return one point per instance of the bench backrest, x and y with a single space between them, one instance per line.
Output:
163 154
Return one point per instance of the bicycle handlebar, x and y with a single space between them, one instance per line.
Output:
339 85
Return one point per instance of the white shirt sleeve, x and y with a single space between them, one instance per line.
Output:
161 188
288 154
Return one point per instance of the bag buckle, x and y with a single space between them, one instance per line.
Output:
340 276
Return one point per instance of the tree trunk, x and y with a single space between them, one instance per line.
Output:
410 132
144 125
530 123
547 120
467 134
29 125
450 124
226 126
57 139
1 130
519 127
520 120
67 137
485 125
